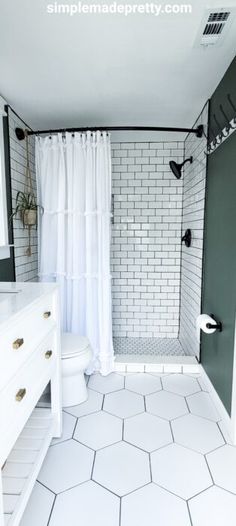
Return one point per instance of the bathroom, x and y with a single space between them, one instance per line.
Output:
117 297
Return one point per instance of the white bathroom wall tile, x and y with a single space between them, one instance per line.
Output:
26 267
68 426
166 405
106 384
201 404
88 505
121 468
197 433
98 430
172 368
120 367
153 506
191 369
39 507
222 463
135 368
124 403
191 260
180 471
147 432
154 368
93 404
213 507
66 465
143 383
141 201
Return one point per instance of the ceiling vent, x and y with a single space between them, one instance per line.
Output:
215 25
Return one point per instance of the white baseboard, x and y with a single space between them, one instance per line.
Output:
227 421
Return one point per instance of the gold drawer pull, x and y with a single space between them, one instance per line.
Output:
18 343
20 395
47 314
48 354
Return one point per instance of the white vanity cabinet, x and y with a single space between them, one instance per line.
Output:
29 360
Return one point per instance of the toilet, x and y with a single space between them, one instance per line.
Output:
76 354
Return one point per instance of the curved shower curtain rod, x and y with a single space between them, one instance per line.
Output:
21 133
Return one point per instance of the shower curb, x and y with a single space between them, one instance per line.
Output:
156 364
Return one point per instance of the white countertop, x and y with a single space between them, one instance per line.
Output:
15 297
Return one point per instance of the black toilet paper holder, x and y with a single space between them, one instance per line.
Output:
217 325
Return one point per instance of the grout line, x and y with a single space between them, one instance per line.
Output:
190 517
44 485
50 514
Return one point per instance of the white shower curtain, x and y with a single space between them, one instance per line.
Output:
74 188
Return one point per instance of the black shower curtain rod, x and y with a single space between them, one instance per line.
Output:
21 133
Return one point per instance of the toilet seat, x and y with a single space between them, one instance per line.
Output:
73 345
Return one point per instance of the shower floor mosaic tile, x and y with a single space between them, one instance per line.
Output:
145 449
150 346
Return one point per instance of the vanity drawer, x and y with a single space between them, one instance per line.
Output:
20 396
20 341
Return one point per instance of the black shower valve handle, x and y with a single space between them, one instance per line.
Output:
187 238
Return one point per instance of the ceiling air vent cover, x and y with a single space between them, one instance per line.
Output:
214 26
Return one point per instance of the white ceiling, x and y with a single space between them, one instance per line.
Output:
86 70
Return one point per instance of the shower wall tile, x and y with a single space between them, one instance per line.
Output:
146 248
193 217
26 267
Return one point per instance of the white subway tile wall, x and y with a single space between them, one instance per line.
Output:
26 267
193 217
146 246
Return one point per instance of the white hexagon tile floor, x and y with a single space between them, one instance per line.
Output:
143 449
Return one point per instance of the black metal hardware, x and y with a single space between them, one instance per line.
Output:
20 133
187 238
217 136
217 325
177 167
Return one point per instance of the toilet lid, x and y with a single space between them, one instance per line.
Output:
72 344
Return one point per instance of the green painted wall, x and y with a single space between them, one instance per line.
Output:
7 266
219 270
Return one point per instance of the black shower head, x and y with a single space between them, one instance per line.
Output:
176 168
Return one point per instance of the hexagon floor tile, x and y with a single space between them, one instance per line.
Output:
87 505
68 426
147 432
143 383
180 470
93 404
201 404
98 430
66 465
166 405
180 384
106 384
121 468
197 433
222 463
213 507
153 506
124 403
41 499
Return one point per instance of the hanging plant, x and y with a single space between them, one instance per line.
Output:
27 207
26 204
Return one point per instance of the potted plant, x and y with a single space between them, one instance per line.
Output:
27 207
